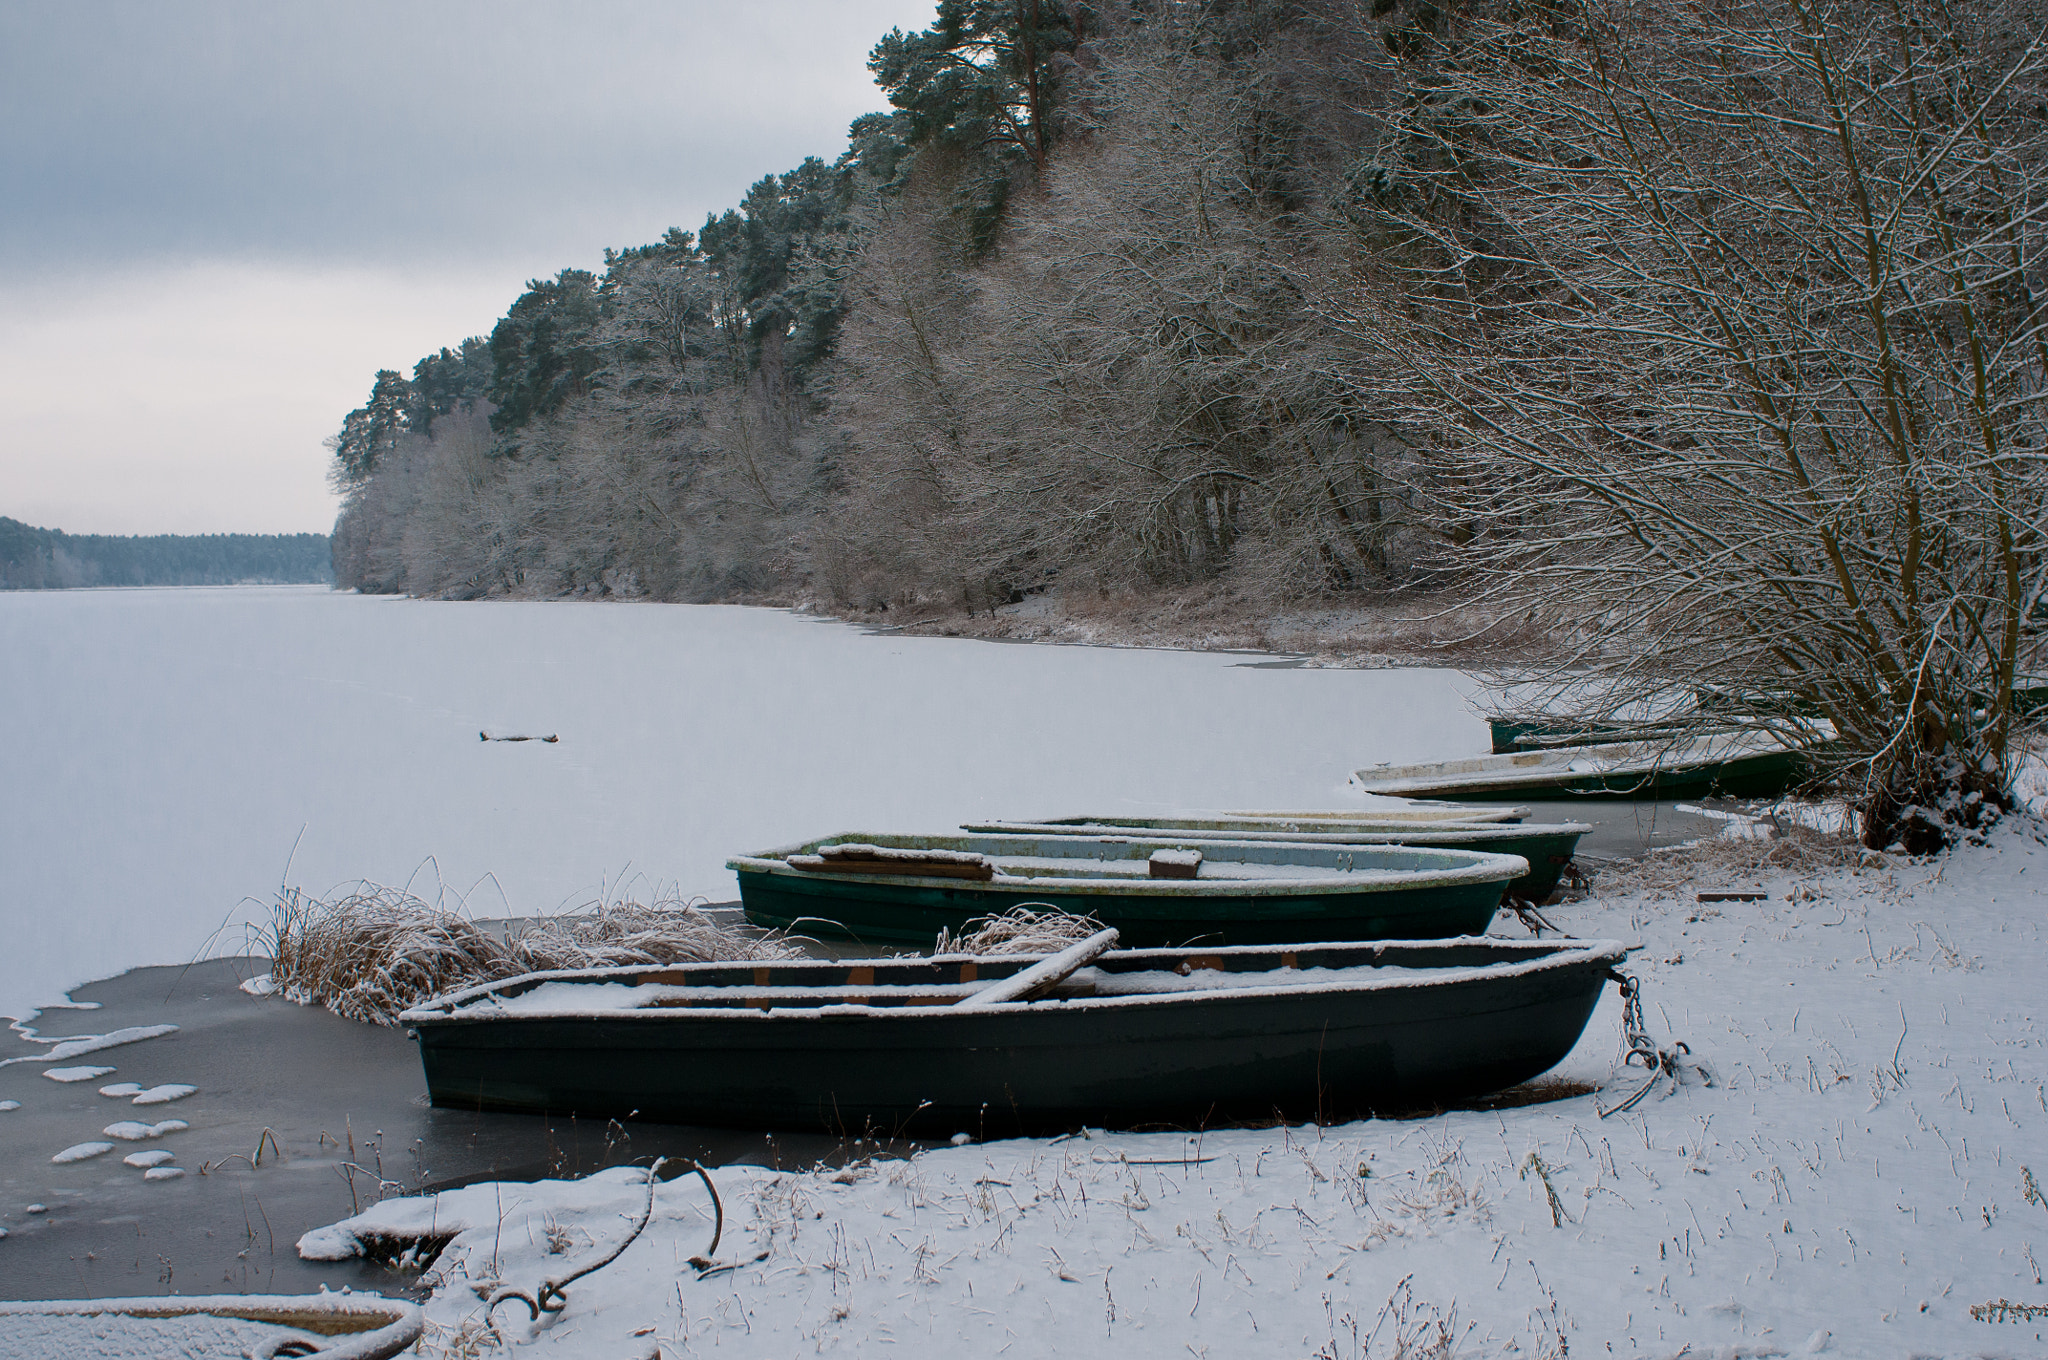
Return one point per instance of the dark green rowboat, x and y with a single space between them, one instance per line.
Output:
1548 848
1248 892
1762 760
1325 1031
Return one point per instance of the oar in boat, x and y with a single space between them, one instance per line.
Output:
1043 976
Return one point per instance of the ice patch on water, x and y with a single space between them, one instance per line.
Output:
154 1157
78 1045
260 985
131 1131
9 1105
121 1088
76 1073
164 1094
78 1152
163 1173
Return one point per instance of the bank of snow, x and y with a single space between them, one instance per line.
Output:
1861 1174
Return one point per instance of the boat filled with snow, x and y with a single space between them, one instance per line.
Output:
344 1326
1547 846
908 888
914 1047
1758 760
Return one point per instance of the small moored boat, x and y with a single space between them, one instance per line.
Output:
1393 815
882 1046
1757 761
889 888
230 1326
1548 848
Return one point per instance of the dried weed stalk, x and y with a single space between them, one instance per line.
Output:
1791 852
1020 930
378 951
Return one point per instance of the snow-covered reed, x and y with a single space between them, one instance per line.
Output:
1783 850
372 953
1020 930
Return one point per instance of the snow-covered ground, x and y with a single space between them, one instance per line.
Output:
1865 1171
165 749
1864 1177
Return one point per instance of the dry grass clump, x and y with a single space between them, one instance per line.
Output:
377 952
1020 930
1789 851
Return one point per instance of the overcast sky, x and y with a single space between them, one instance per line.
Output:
218 220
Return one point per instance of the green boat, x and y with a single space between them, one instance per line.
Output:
1548 848
1394 816
887 1046
882 888
1760 760
1513 735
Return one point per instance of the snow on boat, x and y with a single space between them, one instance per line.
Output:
341 1326
1757 761
888 888
1547 847
1417 813
881 1046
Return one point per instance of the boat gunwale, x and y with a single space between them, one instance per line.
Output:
1483 831
1618 759
362 1326
1504 814
1548 955
1482 867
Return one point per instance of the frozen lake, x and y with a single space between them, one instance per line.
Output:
165 750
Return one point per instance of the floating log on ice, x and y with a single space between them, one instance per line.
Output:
485 736
876 859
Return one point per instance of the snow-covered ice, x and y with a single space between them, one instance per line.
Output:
134 1132
71 1074
163 1094
78 1045
161 816
1866 1170
79 1152
154 1157
6 1105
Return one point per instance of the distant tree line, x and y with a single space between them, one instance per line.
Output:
44 559
1708 343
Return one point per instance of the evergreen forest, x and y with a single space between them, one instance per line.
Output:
44 559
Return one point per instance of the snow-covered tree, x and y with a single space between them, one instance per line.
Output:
1728 321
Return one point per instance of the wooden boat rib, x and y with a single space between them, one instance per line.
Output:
1142 1036
1761 760
1547 847
1246 892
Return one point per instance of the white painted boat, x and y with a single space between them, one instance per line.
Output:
1758 760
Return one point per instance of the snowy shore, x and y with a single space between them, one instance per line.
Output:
1861 1179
